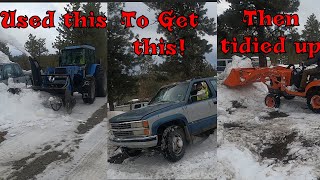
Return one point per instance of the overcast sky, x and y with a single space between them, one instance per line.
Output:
21 35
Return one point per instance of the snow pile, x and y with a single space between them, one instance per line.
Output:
251 96
12 84
24 109
31 124
237 62
4 58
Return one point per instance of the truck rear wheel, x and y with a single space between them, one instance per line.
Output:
91 91
173 144
313 101
101 86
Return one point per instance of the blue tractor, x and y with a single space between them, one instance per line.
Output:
79 71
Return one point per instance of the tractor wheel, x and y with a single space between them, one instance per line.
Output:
289 97
101 86
313 101
272 101
68 107
69 101
91 90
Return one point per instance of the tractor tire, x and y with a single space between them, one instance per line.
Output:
313 101
272 101
91 90
101 79
173 143
69 101
289 97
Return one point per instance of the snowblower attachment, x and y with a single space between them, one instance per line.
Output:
57 84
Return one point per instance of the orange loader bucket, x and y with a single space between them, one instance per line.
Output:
233 79
242 76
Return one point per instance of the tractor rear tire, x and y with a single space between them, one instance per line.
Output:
101 79
272 101
91 92
313 101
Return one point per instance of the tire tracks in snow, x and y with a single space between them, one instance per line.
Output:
80 168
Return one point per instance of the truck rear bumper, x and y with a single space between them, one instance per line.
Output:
143 142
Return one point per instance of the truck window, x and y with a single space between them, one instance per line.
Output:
1 72
8 71
18 70
173 93
137 106
221 63
214 84
200 91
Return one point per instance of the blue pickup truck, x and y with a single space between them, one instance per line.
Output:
176 114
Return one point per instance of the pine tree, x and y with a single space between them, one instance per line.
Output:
67 36
311 30
96 37
230 22
121 61
36 47
193 62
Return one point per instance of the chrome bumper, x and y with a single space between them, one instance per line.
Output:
142 142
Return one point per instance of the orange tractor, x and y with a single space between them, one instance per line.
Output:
279 81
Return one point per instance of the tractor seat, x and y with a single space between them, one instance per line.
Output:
296 78
314 77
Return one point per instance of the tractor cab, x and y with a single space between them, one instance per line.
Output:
77 56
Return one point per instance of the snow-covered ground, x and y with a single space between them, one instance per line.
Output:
90 161
31 124
256 142
199 162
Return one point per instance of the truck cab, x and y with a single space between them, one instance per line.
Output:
176 114
14 71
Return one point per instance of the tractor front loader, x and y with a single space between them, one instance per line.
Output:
280 82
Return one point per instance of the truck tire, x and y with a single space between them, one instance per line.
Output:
101 79
91 90
173 143
131 152
313 101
